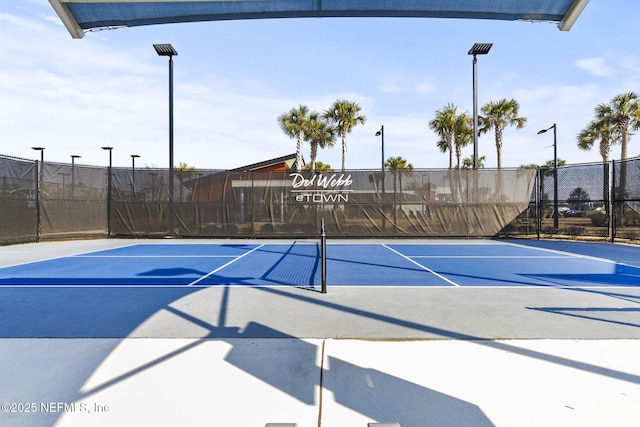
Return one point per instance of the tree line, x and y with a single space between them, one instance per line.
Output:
320 130
613 124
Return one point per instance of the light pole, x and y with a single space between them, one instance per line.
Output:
73 174
555 173
476 49
39 185
109 149
380 133
168 50
133 175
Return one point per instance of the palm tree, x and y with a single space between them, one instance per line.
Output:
444 125
626 116
601 128
320 134
463 134
294 124
398 164
318 167
497 116
344 115
467 162
401 166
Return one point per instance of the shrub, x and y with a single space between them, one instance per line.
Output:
598 218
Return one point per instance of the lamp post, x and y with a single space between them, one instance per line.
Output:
73 174
380 133
109 149
476 49
555 173
168 50
39 185
133 175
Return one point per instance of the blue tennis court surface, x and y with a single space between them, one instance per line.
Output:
429 264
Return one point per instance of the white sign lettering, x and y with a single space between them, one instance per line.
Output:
320 188
321 181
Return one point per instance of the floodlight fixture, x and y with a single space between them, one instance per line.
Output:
480 48
476 49
540 132
165 49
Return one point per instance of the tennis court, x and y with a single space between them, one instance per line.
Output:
435 332
393 263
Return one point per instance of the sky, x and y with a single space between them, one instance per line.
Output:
232 79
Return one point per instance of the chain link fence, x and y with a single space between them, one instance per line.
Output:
59 201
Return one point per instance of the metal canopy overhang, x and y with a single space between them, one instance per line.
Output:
80 16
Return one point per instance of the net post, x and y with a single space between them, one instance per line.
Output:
323 256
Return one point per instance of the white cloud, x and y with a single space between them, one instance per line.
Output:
232 80
16 20
54 19
421 88
595 66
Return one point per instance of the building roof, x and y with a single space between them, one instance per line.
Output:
283 163
80 16
287 162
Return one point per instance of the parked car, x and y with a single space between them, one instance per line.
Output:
575 214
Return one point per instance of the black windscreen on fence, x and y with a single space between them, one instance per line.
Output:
353 203
55 200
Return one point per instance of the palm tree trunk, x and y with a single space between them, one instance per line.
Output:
313 155
299 151
499 153
344 152
622 188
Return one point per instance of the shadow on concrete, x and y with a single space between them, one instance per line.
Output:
278 359
456 335
381 396
613 315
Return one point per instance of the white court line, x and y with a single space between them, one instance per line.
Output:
223 266
422 266
568 254
55 258
494 257
154 256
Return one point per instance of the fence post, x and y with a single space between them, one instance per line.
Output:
612 219
38 198
323 256
537 203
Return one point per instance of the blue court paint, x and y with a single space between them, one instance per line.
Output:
101 271
298 264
